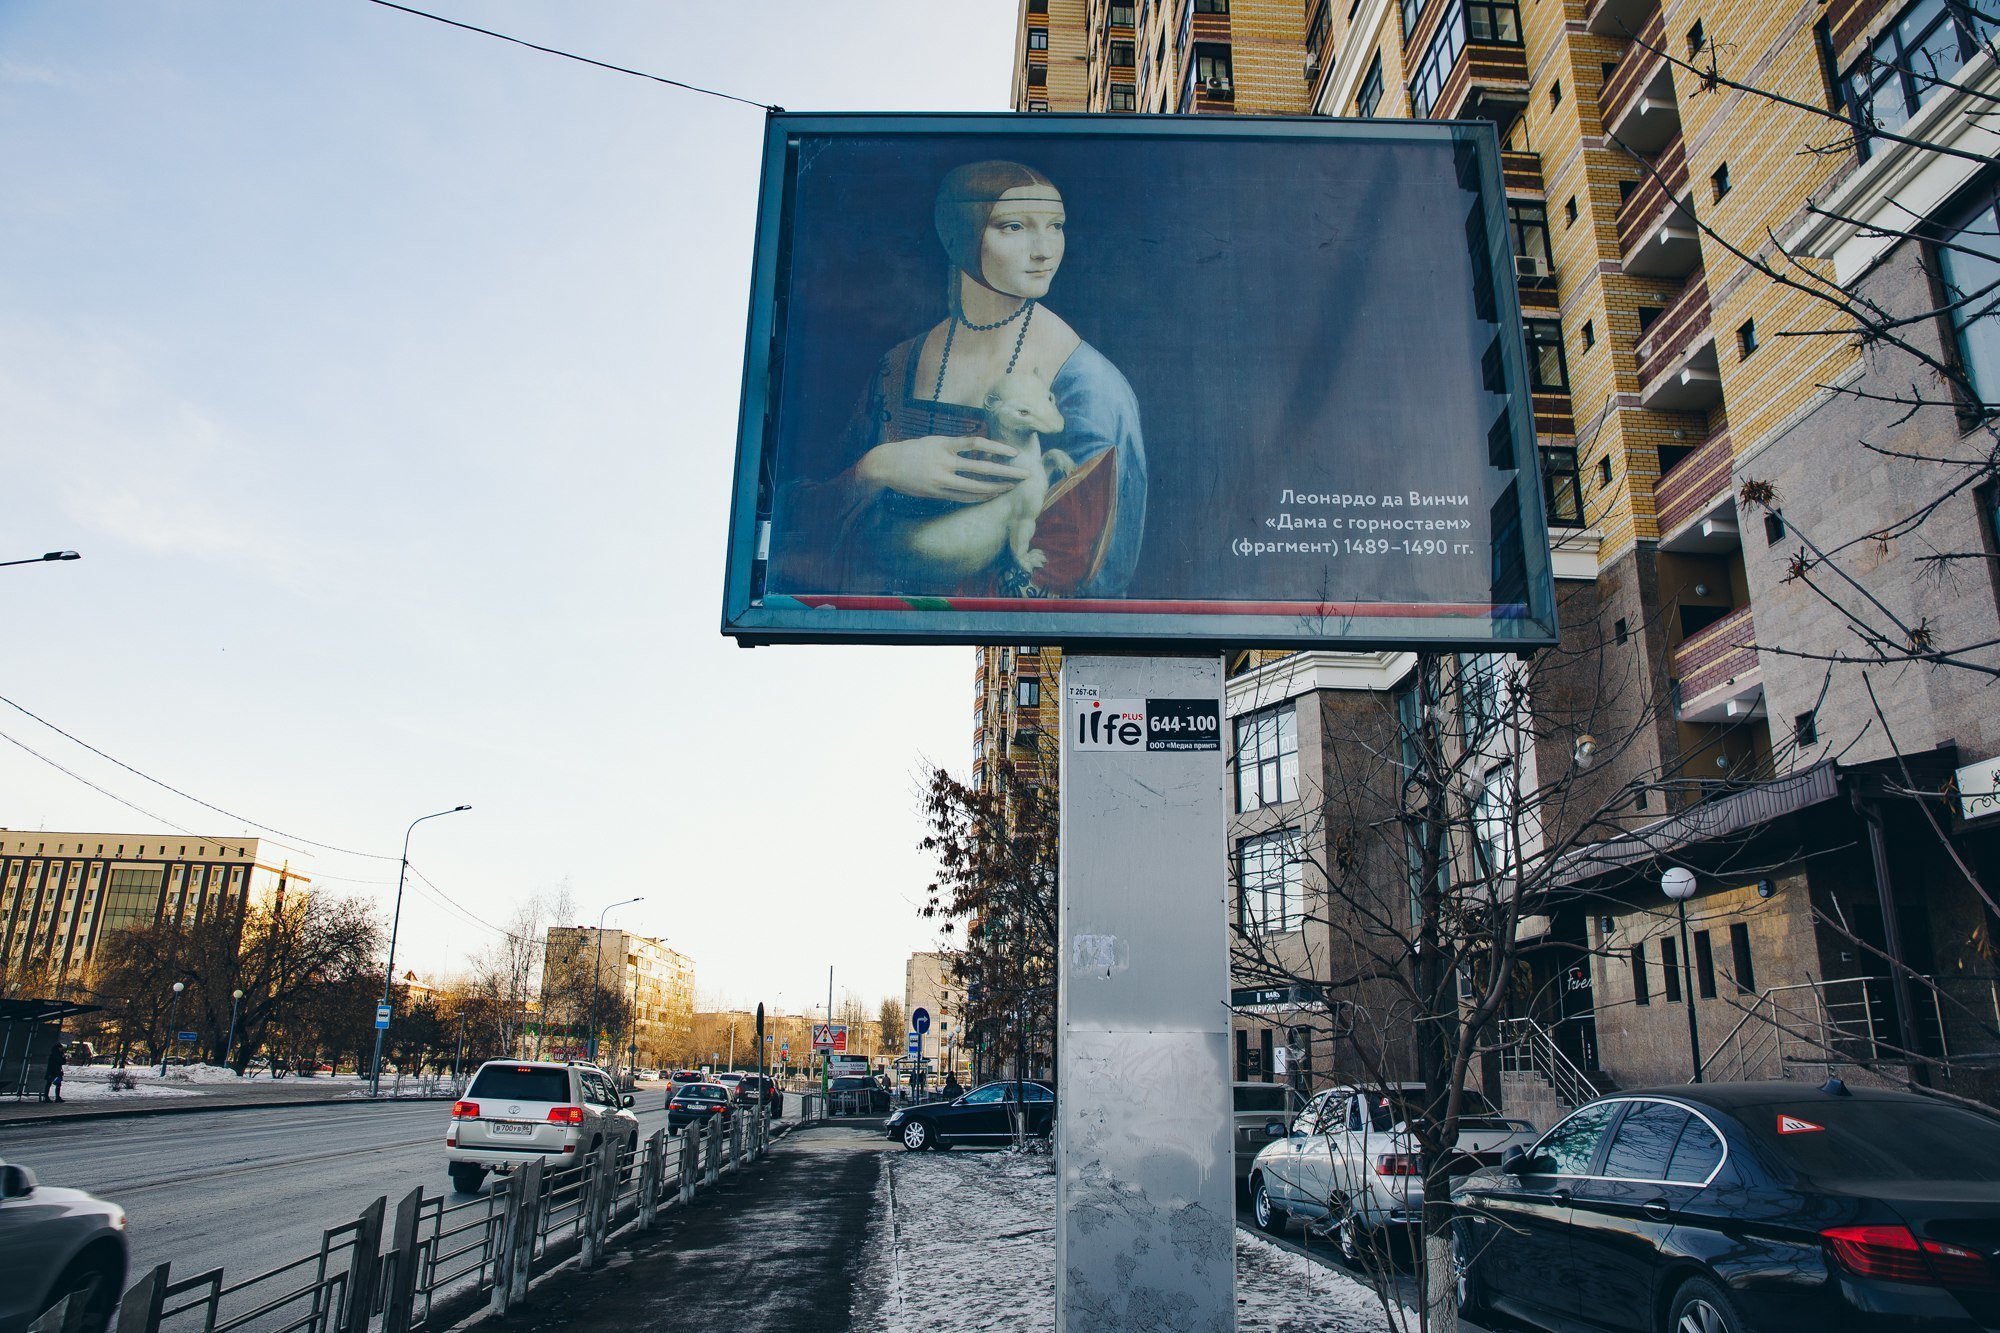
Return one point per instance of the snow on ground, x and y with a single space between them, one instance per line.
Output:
92 1083
964 1242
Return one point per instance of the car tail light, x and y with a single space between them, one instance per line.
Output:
1894 1254
465 1110
565 1115
1397 1164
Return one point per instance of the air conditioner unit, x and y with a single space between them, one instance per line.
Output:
1218 85
1530 267
1312 64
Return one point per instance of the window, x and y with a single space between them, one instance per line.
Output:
1571 1147
1697 38
1267 757
1620 631
1411 8
1038 39
1746 338
1037 105
1917 54
1028 693
1604 470
1670 964
1565 488
1969 266
1645 1141
1038 76
1481 677
1121 16
1547 371
1211 6
1124 97
1718 181
1211 70
1555 94
1038 6
1528 219
1642 991
1589 331
1493 820
1704 965
1569 211
1805 729
1774 528
1697 1154
1739 959
1370 97
1270 882
1318 24
1494 21
1124 53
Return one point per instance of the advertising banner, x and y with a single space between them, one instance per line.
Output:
829 1037
1150 380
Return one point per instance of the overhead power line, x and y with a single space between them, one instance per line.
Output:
168 786
571 55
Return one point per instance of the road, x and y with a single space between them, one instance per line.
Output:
249 1190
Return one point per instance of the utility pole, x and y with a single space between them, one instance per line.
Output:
826 1056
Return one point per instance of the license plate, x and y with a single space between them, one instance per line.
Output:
507 1127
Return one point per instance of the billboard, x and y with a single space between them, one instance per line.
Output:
1156 381
829 1037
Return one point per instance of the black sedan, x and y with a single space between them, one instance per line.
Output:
697 1103
982 1116
1742 1208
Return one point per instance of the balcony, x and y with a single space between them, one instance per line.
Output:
1620 18
1521 173
1695 502
1656 228
1716 676
1489 82
1637 104
1676 356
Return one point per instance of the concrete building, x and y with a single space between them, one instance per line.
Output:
928 984
655 981
62 895
1670 373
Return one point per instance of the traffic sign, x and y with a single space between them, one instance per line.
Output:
920 1019
188 1036
785 1047
830 1037
381 1015
916 1044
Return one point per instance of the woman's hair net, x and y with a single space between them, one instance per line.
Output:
965 201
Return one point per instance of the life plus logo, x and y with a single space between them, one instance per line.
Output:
1108 724
1135 725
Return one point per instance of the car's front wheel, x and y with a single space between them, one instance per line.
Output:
466 1177
1702 1307
917 1135
1270 1217
91 1281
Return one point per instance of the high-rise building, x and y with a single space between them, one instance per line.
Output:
1744 484
656 984
1195 56
62 895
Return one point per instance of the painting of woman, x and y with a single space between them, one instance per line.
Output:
928 456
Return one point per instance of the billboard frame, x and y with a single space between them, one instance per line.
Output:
753 620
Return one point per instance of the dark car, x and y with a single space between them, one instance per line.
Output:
982 1116
858 1094
1742 1208
691 1103
756 1088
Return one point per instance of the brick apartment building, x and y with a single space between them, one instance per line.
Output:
1668 372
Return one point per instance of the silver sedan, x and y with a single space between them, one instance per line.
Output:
56 1243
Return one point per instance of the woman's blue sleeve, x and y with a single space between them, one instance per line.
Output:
1101 412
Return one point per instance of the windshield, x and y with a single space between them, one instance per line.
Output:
1837 1142
520 1084
1265 1097
1386 1110
702 1092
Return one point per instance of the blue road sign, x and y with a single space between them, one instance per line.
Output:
916 1044
188 1036
381 1015
920 1019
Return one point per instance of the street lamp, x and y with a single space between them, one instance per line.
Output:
1678 884
173 1026
395 921
597 969
40 559
235 998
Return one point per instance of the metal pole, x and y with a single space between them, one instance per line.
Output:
1687 971
395 922
173 1026
235 998
598 967
826 1056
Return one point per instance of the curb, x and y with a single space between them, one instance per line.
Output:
135 1112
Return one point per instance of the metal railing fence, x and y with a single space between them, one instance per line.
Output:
442 1260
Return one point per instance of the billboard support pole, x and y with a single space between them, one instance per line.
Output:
1144 1186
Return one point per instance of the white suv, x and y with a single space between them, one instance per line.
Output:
517 1110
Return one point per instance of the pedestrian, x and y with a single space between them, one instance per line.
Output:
953 1089
53 1074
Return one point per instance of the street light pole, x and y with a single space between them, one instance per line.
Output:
598 967
235 999
1678 884
395 922
173 1026
40 559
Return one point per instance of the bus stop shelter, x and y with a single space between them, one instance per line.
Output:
28 1027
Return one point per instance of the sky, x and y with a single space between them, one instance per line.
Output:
386 376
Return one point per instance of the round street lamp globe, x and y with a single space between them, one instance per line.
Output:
1677 883
179 986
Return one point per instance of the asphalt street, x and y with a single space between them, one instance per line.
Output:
248 1190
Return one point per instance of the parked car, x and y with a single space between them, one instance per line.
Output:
982 1116
691 1103
1351 1160
517 1110
1260 1112
858 1094
1743 1208
56 1243
753 1089
688 1076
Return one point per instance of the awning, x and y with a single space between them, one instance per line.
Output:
42 1011
1707 822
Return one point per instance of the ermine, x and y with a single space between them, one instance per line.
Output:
967 540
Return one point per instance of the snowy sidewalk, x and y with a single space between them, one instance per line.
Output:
966 1241
89 1092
